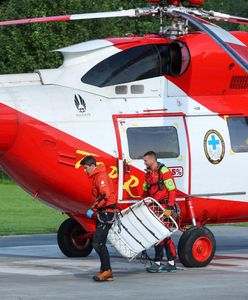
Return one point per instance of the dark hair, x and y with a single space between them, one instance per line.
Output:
151 153
88 160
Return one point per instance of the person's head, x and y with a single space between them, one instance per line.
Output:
150 159
89 164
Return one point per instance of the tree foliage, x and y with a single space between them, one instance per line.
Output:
27 47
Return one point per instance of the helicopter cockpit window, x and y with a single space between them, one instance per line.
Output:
161 139
133 64
238 131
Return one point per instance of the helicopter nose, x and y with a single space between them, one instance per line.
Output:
8 127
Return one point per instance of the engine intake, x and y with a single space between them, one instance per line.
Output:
179 58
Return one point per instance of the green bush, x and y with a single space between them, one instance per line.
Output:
27 47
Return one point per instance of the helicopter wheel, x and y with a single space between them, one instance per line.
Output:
71 239
196 247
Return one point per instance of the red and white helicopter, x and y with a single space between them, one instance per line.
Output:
182 93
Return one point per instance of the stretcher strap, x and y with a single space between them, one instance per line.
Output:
152 233
132 235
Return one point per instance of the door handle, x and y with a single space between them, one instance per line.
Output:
126 167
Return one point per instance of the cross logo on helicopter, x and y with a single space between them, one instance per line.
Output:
214 146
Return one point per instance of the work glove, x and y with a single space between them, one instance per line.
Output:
168 211
89 213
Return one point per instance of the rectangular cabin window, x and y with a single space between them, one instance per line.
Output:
121 89
238 131
161 139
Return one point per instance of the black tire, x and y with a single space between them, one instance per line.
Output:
71 239
196 247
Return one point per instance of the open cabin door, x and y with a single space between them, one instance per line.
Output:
164 134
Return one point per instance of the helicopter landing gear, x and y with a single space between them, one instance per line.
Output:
73 240
196 247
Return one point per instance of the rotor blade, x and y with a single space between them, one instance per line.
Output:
87 16
233 46
224 17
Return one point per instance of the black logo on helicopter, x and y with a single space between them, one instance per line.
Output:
80 103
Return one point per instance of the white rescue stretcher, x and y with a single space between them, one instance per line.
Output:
139 227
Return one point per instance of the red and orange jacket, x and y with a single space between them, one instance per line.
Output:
102 187
160 185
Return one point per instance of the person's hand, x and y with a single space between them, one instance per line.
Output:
89 213
167 213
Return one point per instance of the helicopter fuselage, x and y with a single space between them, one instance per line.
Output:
117 99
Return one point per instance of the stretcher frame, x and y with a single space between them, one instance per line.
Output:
139 227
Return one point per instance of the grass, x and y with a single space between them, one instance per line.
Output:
20 214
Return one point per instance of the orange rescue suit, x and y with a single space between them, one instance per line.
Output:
102 188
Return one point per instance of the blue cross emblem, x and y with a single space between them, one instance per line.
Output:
213 142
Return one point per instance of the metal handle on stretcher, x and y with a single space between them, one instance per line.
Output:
158 212
167 221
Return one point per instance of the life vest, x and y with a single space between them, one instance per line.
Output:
160 185
160 182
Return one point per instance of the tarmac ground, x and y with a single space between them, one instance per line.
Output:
32 267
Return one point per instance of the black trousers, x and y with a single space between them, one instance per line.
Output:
100 239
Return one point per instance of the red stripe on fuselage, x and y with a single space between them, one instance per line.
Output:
134 41
241 50
42 160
